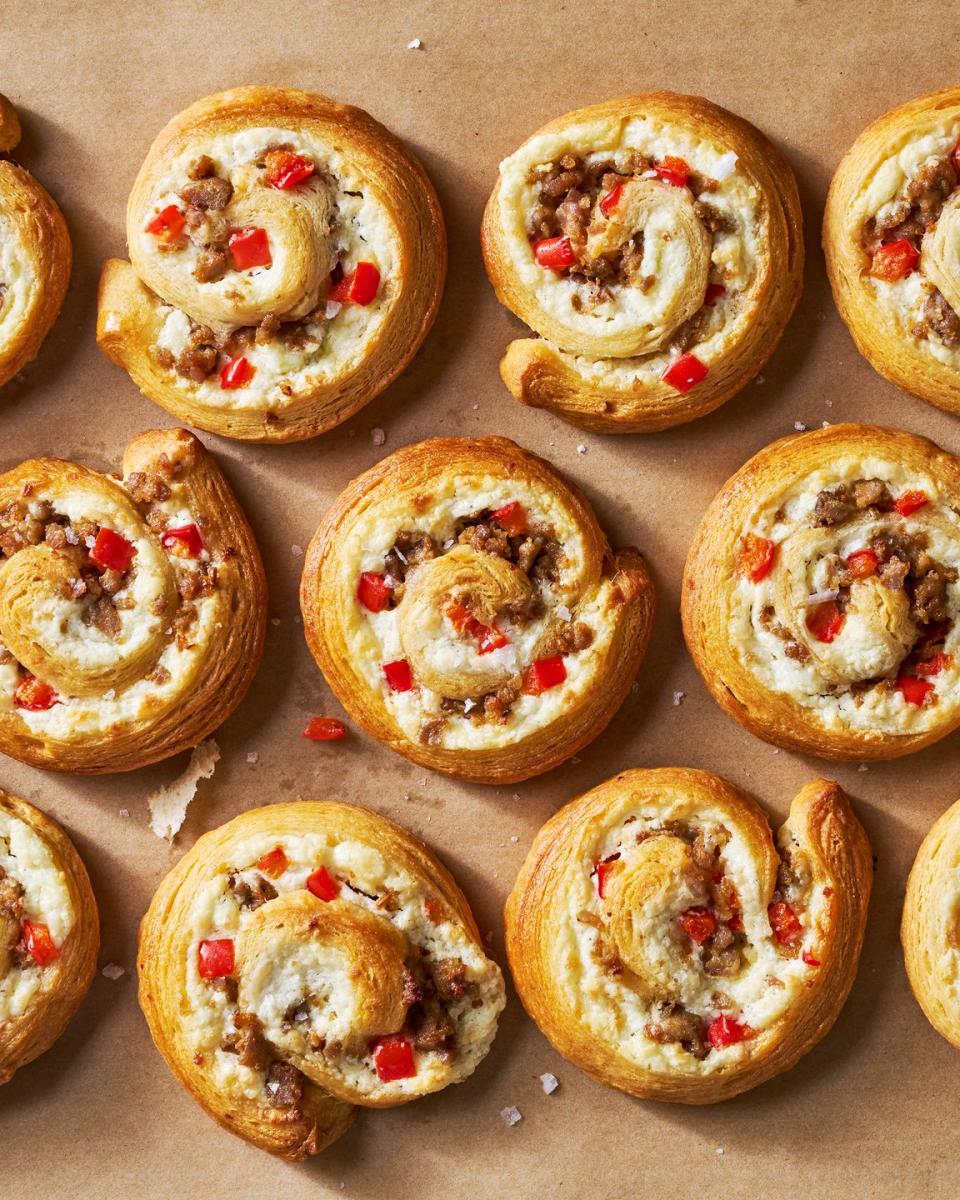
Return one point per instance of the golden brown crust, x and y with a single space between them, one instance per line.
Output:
821 827
538 374
712 573
887 346
217 681
130 314
66 980
330 608
42 251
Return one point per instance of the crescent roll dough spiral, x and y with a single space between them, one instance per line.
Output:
664 943
287 257
307 957
35 256
820 597
654 243
49 933
891 234
132 610
466 608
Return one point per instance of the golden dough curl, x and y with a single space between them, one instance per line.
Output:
659 282
663 942
49 931
891 233
132 611
467 610
307 957
38 254
820 595
250 206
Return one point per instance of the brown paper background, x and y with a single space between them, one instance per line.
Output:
867 1113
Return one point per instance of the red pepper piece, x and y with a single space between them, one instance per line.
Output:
37 939
544 674
604 870
934 633
512 518
358 286
894 260
825 621
914 690
286 169
434 909
325 729
610 201
34 695
250 247
757 556
393 1058
556 253
862 563
236 372
185 541
726 1031
933 666
673 170
464 622
808 958
785 923
698 924
685 373
323 885
909 502
399 676
713 293
168 225
373 591
273 863
215 958
736 923
112 551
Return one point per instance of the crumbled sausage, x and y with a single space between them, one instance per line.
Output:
284 1085
210 194
938 318
450 978
147 488
251 895
675 1024
247 1042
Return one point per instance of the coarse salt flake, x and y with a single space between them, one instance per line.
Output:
678 698
378 436
113 971
549 1082
511 1115
296 550
415 44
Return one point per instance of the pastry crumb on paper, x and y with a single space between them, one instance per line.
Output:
168 805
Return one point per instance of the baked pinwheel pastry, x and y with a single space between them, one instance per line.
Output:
665 944
465 606
287 257
49 933
35 255
891 234
820 596
308 957
929 929
654 244
132 609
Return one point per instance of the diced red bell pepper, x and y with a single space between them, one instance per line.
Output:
273 863
112 551
726 1031
757 556
543 674
236 372
862 563
488 636
250 247
611 199
34 695
933 666
785 923
358 286
323 885
808 958
825 621
556 253
934 633
398 675
512 518
673 170
894 260
713 293
909 502
393 1058
286 169
37 939
185 541
325 729
215 958
168 225
736 923
698 924
604 870
685 372
914 690
373 591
